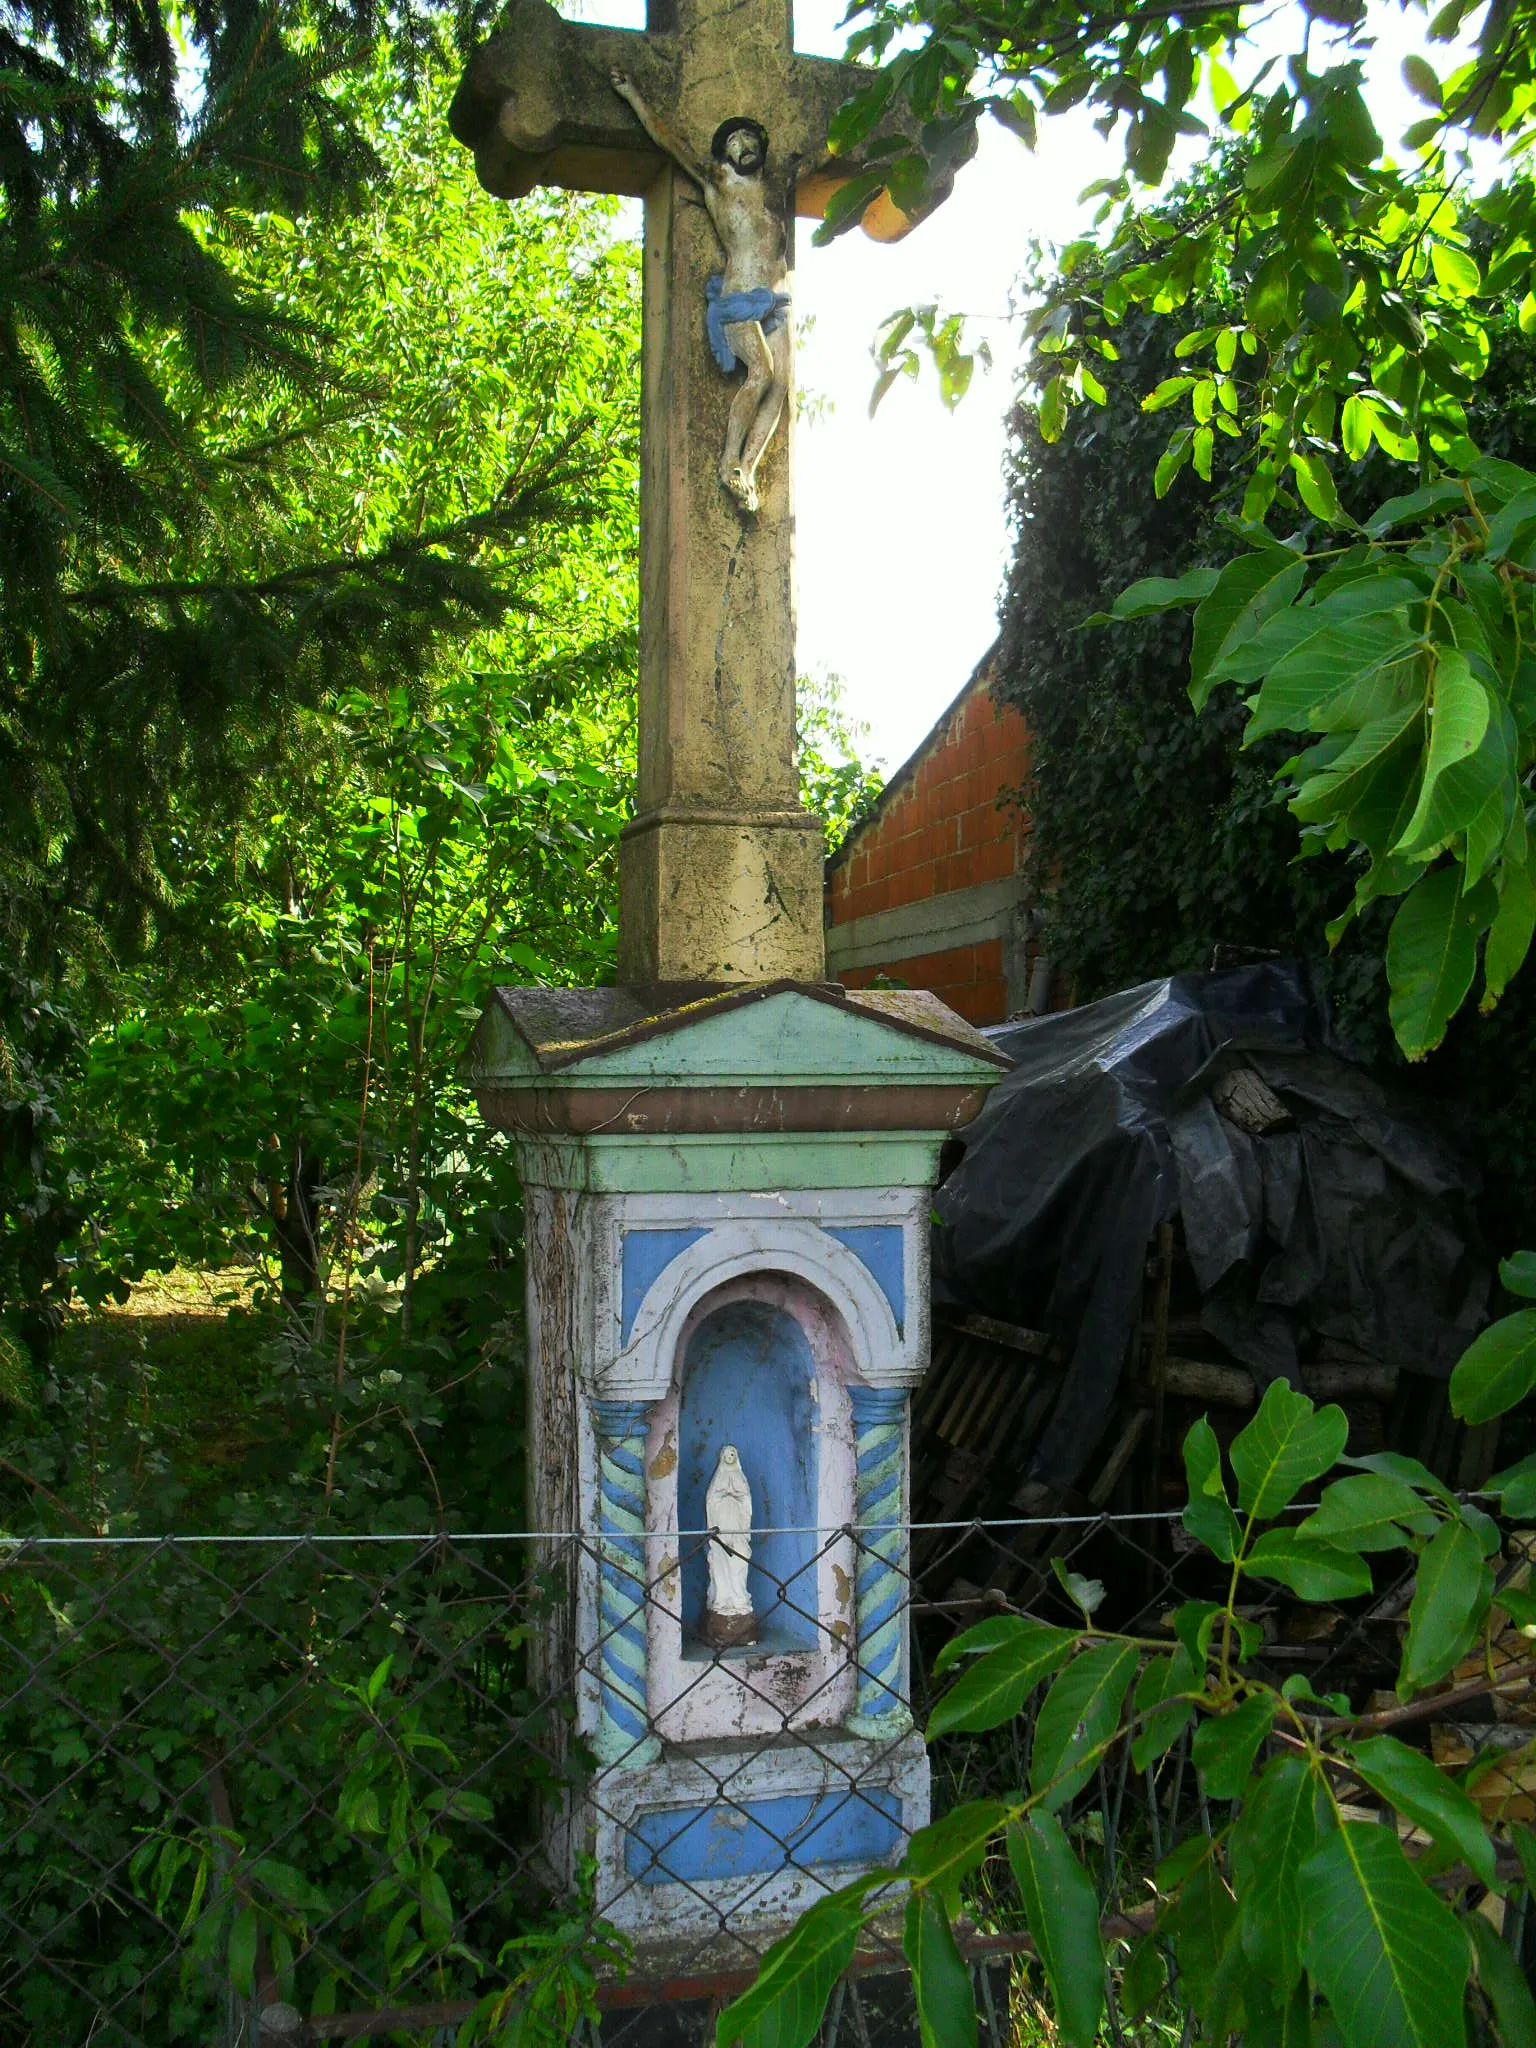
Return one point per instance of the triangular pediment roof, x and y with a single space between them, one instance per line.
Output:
780 1033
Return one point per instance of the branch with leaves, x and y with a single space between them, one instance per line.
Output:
1294 1914
1363 286
1293 1911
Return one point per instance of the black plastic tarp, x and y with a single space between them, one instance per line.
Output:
1346 1215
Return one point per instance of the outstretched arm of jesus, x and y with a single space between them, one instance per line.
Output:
661 131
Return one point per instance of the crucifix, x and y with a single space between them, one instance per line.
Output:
711 115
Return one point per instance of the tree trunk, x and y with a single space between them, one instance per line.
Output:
295 1224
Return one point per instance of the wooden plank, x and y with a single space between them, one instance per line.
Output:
958 1392
982 1429
1199 1379
1331 1381
942 1355
1013 1335
1120 1457
1232 1386
1157 1361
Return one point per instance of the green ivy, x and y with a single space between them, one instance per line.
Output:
1119 766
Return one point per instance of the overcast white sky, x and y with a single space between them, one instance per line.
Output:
902 538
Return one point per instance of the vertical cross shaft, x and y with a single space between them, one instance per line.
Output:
721 867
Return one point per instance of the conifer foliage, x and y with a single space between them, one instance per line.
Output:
142 649
302 438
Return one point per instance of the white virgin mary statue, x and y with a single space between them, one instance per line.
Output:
728 1616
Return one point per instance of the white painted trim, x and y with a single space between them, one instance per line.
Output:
746 1248
959 917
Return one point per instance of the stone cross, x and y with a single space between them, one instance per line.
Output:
720 869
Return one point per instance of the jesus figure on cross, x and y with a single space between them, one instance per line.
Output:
747 312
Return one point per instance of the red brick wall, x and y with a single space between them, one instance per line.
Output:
970 979
941 827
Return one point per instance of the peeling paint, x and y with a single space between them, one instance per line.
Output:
698 1698
752 1216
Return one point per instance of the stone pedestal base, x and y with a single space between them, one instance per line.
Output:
728 1631
739 1839
721 898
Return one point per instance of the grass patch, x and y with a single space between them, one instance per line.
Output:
179 1370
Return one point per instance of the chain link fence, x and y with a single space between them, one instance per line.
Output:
282 1789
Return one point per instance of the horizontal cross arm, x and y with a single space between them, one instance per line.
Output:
537 107
820 85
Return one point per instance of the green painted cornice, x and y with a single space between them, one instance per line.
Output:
771 1056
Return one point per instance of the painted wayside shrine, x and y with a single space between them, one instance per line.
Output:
727 1211
728 1163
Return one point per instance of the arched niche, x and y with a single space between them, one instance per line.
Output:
748 1377
763 1362
829 1274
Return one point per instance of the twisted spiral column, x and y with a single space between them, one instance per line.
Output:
880 1437
623 1733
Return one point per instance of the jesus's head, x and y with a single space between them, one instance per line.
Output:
742 144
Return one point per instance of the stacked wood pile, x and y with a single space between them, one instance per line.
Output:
1498 1727
992 1386
980 1415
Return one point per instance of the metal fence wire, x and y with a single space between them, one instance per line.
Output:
312 1788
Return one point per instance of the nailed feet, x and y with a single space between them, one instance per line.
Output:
741 486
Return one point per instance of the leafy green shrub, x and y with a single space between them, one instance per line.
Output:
1119 765
307 1774
39 1210
836 783
1293 1919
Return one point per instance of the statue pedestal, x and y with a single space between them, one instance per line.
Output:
728 1631
727 1197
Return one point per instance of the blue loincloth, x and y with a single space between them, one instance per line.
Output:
723 309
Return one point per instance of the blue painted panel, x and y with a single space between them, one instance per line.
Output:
747 1381
644 1255
757 1837
878 1246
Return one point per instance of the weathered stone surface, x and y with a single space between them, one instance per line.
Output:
536 106
644 1900
774 1057
682 1286
721 869
723 899
699 896
727 1164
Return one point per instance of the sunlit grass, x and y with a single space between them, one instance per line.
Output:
177 1373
